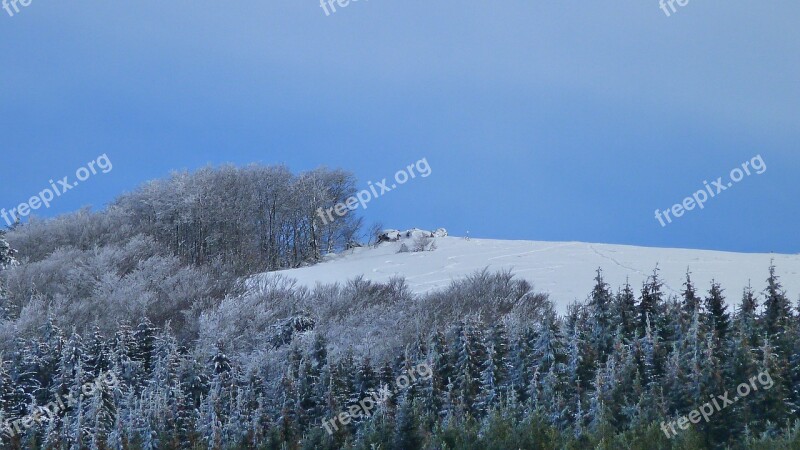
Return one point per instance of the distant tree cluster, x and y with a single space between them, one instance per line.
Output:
253 219
172 248
604 375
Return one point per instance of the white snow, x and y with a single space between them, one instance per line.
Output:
565 270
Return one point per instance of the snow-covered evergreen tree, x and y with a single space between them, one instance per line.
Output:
6 260
716 313
626 310
7 254
601 322
777 318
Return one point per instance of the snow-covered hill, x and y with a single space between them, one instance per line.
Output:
565 270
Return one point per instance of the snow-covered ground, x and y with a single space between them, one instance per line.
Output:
565 270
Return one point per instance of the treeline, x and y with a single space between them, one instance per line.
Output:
604 375
252 219
171 249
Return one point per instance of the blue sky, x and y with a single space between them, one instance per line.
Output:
540 120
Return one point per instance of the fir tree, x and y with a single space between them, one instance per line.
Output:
601 303
777 316
771 404
442 373
716 315
690 302
407 433
6 260
469 359
651 302
489 389
746 321
143 349
7 254
627 312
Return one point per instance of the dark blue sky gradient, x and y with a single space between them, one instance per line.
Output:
540 120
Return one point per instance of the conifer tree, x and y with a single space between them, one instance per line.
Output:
746 319
6 260
7 254
651 302
601 303
407 433
676 379
716 313
741 364
524 363
771 404
442 373
489 389
547 350
319 354
574 376
307 401
469 359
690 302
209 424
502 357
97 358
794 367
143 348
627 312
386 380
777 316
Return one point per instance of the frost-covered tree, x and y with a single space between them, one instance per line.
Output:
690 302
651 303
716 313
6 260
777 318
7 253
626 310
601 321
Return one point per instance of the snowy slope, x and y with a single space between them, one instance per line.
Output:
565 270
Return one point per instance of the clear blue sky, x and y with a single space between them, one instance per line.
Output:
540 120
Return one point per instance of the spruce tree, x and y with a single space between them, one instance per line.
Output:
143 348
366 381
407 433
742 354
690 301
469 360
488 384
771 404
746 320
502 357
627 312
442 370
6 260
7 254
777 316
600 307
716 313
651 302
